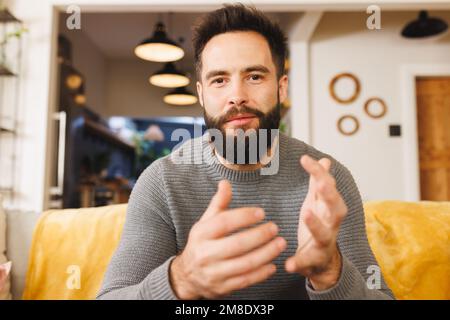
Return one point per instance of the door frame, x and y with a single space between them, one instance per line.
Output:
411 173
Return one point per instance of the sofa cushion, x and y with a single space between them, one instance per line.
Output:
411 242
71 250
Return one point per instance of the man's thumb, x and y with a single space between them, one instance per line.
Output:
220 200
325 163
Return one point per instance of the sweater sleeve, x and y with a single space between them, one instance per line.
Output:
361 277
139 268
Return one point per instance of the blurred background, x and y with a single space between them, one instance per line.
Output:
91 91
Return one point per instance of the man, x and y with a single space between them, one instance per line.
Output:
220 228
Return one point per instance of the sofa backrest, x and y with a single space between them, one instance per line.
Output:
71 250
411 242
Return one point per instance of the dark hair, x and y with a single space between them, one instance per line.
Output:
238 17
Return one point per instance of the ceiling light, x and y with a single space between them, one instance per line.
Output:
424 26
159 47
180 97
169 77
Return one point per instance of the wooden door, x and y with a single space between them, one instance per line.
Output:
433 124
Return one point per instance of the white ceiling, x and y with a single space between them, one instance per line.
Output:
117 34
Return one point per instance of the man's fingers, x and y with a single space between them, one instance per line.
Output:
228 221
250 261
251 278
315 168
321 233
339 213
220 200
297 264
291 264
330 204
244 241
325 163
322 181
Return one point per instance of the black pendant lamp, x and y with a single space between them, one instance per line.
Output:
73 78
424 26
180 97
159 47
169 77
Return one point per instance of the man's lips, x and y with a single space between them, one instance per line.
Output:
241 118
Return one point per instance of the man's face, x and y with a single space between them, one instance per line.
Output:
239 88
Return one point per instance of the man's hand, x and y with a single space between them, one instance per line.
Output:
322 212
214 263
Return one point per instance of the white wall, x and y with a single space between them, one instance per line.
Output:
342 43
34 103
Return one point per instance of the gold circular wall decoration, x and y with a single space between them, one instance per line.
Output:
350 132
370 113
340 77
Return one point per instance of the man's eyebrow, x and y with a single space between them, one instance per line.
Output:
214 73
258 67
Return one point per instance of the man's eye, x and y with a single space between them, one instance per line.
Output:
218 80
255 77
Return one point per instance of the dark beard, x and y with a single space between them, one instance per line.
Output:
267 121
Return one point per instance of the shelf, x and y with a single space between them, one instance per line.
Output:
6 130
6 16
4 71
101 131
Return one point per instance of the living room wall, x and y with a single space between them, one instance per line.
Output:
342 43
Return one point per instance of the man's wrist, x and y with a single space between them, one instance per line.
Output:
178 282
330 276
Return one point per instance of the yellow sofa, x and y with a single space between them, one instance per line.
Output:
71 249
70 246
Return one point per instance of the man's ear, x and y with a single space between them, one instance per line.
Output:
283 88
199 92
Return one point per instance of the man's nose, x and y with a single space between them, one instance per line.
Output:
238 95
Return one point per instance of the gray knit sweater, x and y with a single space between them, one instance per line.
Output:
169 198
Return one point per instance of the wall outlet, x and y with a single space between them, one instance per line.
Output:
395 130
